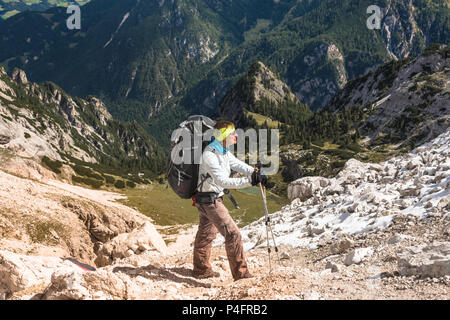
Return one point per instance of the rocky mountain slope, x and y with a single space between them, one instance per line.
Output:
39 120
407 100
377 231
259 85
69 225
320 45
405 29
388 111
366 197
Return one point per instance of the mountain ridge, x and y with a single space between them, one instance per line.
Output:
195 52
42 120
412 91
257 87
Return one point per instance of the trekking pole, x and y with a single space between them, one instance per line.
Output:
268 226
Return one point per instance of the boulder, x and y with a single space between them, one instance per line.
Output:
413 163
440 176
77 285
352 178
305 188
352 208
430 171
411 191
257 236
398 238
390 171
19 76
341 246
425 260
19 272
315 230
428 205
4 139
356 256
376 167
334 188
402 203
252 292
446 230
127 244
285 256
443 205
387 179
313 295
109 283
333 266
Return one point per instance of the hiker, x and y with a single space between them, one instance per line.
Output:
214 176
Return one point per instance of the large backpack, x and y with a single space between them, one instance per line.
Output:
183 177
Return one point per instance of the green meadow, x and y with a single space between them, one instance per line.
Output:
160 203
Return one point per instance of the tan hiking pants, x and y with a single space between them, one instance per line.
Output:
215 217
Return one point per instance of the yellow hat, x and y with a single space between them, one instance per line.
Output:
222 134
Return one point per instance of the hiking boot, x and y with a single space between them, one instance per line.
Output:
247 275
206 275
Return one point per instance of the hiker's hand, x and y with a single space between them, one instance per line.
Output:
257 177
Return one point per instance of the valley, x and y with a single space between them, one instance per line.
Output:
359 206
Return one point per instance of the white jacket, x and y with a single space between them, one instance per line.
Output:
218 163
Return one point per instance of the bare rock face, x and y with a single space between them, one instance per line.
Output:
27 169
425 260
80 122
19 272
341 246
127 244
315 88
19 76
4 139
357 256
109 283
61 278
353 172
80 285
333 266
259 83
443 205
304 188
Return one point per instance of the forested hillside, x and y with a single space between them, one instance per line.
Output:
41 120
157 62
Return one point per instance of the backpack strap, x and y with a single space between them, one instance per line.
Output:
204 178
